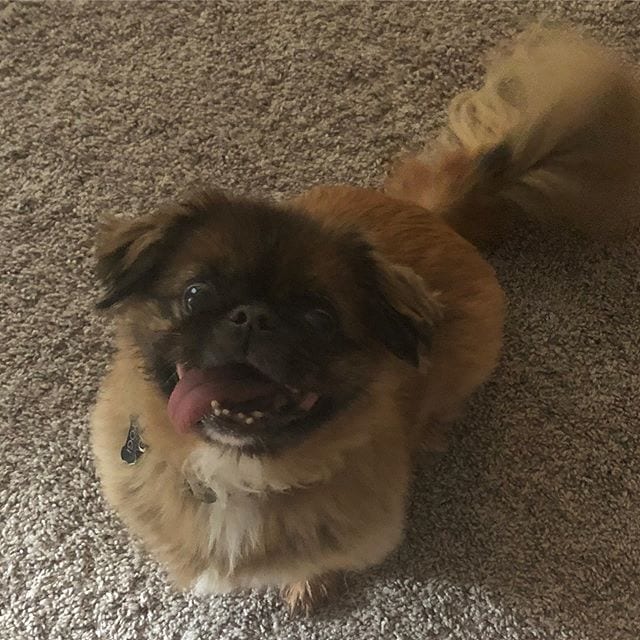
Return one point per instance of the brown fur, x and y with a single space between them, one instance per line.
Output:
564 115
335 500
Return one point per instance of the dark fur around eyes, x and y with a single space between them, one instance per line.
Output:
123 278
267 247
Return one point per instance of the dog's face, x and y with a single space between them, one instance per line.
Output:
258 323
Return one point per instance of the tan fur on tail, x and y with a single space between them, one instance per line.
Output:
553 134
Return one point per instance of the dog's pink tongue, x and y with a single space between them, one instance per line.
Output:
191 398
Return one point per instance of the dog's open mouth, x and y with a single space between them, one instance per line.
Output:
236 397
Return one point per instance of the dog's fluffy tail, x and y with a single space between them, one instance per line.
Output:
552 135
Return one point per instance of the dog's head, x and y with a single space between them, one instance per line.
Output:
258 323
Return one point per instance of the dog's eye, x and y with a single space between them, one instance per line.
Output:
321 320
198 297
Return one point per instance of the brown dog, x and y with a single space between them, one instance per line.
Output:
277 365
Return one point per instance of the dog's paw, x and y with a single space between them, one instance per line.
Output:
306 596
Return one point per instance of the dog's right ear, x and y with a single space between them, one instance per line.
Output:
130 252
402 310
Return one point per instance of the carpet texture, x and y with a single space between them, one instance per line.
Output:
529 527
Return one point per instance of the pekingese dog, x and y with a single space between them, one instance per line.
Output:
278 364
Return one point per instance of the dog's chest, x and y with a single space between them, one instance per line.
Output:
231 522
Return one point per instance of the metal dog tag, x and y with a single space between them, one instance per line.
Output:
133 447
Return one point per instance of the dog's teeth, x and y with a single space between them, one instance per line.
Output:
257 414
214 404
225 412
241 416
249 421
216 411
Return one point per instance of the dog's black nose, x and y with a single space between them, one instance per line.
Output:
254 317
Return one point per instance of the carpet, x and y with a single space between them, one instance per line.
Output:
527 528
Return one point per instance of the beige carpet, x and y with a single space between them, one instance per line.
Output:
528 528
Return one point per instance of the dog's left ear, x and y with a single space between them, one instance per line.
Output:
402 310
130 252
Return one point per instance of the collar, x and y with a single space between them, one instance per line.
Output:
133 449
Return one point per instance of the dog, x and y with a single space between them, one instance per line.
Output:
278 365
